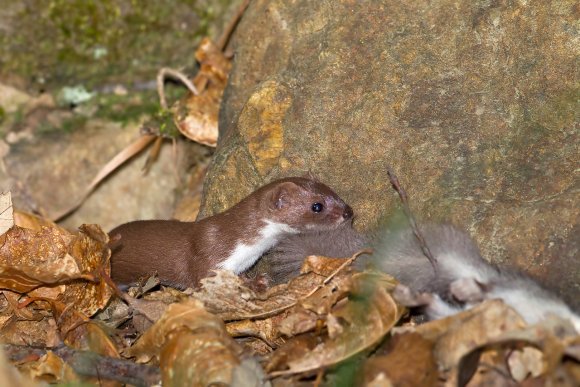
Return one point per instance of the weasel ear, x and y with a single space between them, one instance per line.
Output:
279 197
309 175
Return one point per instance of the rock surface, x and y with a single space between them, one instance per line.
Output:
473 104
65 166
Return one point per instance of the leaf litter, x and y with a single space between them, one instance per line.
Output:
57 298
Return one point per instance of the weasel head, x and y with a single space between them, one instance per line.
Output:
305 205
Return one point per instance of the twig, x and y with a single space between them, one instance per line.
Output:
90 364
407 210
222 42
166 72
120 158
318 287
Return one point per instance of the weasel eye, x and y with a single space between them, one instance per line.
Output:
317 207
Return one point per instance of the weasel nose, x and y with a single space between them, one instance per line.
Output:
347 214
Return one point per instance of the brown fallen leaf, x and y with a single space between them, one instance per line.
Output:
92 254
366 318
6 212
30 259
29 332
33 222
226 295
52 369
59 275
483 346
539 352
192 345
409 362
229 297
9 375
196 116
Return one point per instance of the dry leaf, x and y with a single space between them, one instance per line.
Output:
192 344
6 212
476 345
196 116
9 376
34 222
366 318
29 332
545 346
525 362
31 259
228 296
409 362
52 369
60 274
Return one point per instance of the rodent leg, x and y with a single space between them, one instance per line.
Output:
467 290
432 305
409 298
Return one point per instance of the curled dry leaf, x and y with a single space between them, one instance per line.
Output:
485 345
29 332
59 270
539 351
92 255
30 259
265 315
226 296
192 344
365 318
196 116
486 322
51 256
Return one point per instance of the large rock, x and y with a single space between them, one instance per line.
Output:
473 104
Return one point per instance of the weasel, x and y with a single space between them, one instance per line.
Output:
182 253
463 277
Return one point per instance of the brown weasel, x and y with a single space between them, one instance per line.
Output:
182 253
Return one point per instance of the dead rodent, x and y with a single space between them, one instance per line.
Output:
463 277
283 262
182 253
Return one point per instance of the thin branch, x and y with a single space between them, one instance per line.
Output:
90 364
226 35
166 72
314 290
407 210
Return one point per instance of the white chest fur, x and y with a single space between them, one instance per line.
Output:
246 254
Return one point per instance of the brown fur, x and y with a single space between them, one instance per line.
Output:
182 253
